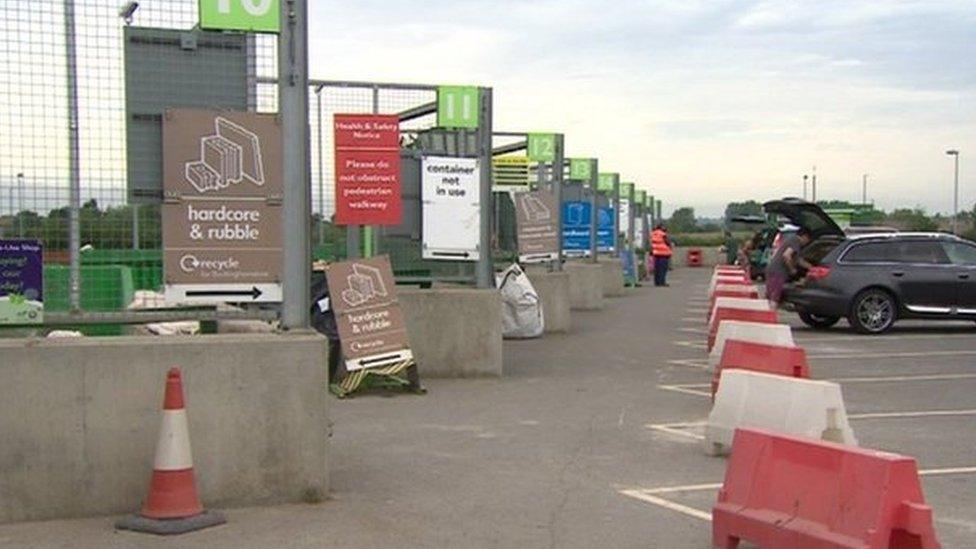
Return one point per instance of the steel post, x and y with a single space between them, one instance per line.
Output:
74 161
484 269
293 110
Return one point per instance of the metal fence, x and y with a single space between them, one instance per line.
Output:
69 75
82 76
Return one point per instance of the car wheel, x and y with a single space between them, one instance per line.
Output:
873 312
818 322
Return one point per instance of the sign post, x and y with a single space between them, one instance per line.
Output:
625 221
586 170
222 209
547 148
21 282
640 229
609 183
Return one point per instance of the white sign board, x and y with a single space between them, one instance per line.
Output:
450 189
623 220
639 232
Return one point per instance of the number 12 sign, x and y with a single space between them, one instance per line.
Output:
542 147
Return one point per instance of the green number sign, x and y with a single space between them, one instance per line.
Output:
641 197
580 169
627 191
606 181
457 106
542 147
241 15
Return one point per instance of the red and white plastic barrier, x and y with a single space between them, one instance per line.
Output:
785 491
789 361
799 407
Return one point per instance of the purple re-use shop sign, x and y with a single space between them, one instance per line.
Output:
21 269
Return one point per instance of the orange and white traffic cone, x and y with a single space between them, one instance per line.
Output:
173 506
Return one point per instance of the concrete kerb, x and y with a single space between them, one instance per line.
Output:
454 332
553 290
789 405
585 286
757 332
79 420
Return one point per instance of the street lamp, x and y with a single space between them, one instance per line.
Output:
955 194
864 189
805 178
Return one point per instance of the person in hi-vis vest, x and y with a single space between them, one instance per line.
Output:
661 250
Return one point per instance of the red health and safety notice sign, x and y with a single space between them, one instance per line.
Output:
367 169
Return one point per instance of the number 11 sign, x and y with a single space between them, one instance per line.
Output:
457 106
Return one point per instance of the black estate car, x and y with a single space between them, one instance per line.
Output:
875 279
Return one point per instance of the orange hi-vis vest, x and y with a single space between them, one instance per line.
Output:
659 244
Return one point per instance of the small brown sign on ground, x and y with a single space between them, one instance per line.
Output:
362 293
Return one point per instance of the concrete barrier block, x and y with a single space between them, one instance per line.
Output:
726 279
756 332
711 255
733 290
79 421
454 332
739 303
613 277
553 289
585 286
787 405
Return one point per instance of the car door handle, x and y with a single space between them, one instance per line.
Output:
963 276
898 274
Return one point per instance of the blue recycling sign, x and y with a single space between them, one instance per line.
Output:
577 227
604 229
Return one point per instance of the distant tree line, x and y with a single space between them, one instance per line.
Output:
683 220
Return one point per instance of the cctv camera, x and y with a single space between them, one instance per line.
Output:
128 11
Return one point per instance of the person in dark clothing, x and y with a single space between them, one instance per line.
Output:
323 320
784 264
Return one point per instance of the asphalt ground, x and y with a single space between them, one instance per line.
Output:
591 439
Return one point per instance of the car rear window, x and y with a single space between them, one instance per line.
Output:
897 251
871 252
959 253
921 251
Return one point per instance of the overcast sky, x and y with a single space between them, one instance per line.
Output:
700 102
